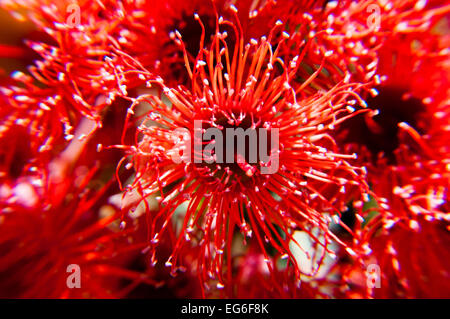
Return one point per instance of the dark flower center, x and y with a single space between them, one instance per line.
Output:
243 145
191 32
379 133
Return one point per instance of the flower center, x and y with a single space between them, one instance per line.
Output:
379 133
237 146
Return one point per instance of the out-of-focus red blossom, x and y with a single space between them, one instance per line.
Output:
412 92
58 217
412 260
43 234
181 284
357 30
25 141
154 45
352 33
404 141
406 239
249 88
407 235
408 229
253 279
166 18
82 69
35 111
403 145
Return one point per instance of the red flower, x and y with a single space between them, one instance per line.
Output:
254 279
82 68
412 258
50 223
413 51
406 232
250 88
54 214
156 48
403 146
